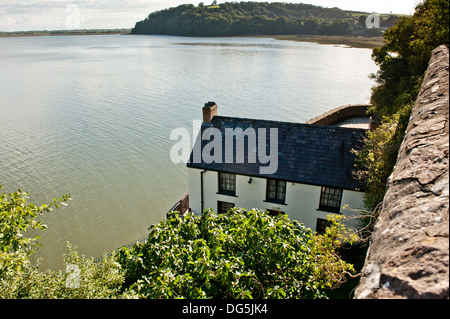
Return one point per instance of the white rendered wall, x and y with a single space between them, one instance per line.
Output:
194 189
302 201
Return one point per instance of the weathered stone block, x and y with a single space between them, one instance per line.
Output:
409 250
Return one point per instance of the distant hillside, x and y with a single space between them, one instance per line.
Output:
250 18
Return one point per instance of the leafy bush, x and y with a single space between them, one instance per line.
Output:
404 58
16 217
20 279
403 61
90 280
239 254
376 161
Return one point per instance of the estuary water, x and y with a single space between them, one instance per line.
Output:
92 116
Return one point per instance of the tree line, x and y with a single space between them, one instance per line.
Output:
402 62
250 18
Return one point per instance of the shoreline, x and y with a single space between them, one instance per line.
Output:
351 41
347 40
63 32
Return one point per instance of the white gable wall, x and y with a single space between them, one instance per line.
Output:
302 201
194 189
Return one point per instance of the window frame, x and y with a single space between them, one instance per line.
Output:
276 199
226 191
324 193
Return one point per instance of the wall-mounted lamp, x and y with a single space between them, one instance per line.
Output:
250 180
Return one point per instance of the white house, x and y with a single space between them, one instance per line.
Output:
302 170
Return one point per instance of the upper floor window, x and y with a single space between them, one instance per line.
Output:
227 183
330 199
276 191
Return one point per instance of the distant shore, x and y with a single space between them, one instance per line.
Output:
64 32
348 40
352 41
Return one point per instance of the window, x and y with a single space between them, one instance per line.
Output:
227 183
274 212
321 225
330 199
276 191
223 207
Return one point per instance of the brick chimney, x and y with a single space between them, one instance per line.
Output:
209 111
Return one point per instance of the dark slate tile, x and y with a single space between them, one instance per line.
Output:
309 154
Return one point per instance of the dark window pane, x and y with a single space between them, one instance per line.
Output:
276 190
227 182
330 199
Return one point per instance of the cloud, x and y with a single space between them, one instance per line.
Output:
21 15
44 14
380 6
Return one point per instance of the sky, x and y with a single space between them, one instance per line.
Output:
25 15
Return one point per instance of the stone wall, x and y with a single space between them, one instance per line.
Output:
409 251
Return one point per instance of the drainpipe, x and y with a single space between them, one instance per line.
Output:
201 188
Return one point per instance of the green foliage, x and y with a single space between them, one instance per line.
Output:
239 254
19 279
404 58
93 280
376 160
16 217
235 19
403 61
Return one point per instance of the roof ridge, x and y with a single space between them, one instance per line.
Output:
292 123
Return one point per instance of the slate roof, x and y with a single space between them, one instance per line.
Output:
309 154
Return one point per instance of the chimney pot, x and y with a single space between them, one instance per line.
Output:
209 111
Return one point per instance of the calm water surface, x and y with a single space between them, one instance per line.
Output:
92 115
